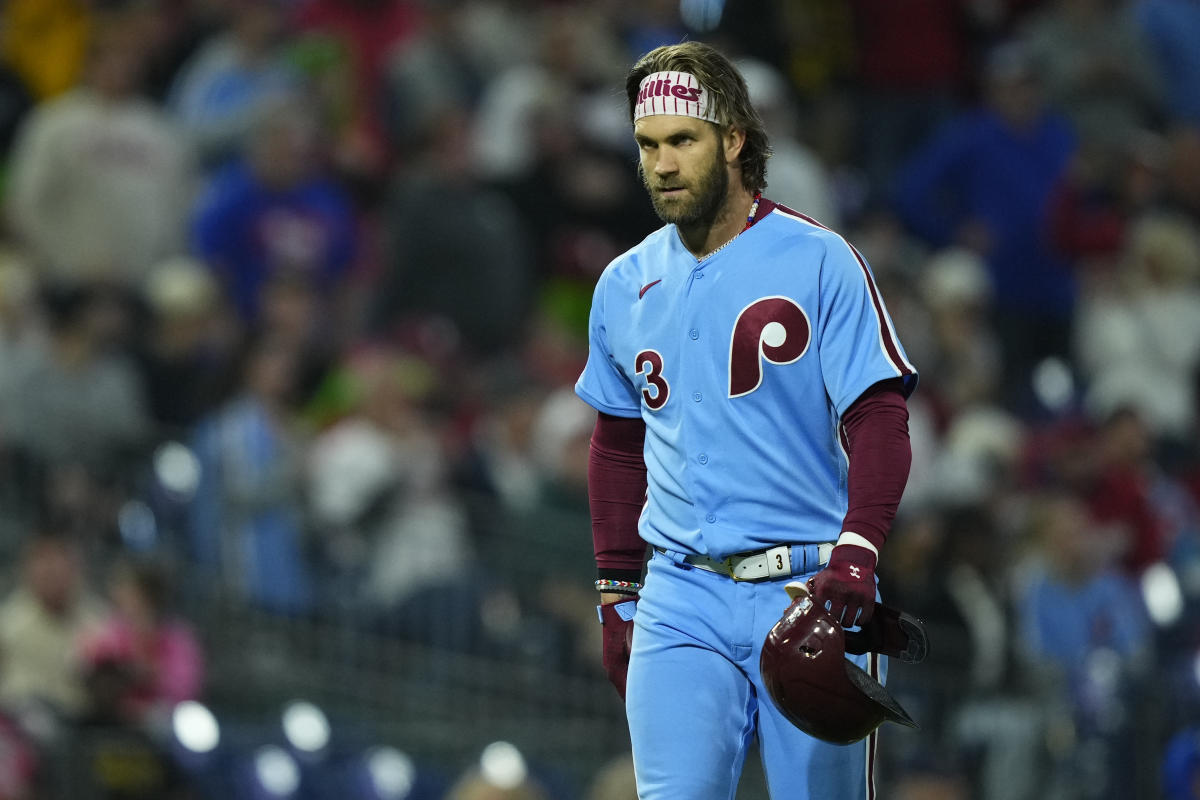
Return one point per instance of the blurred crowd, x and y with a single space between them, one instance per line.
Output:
293 294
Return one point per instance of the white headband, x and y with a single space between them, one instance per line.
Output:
673 93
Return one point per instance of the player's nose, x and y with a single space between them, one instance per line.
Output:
665 164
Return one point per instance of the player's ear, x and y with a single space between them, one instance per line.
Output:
733 140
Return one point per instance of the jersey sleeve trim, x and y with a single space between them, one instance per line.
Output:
889 343
855 391
598 404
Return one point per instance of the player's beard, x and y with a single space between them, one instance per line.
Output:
703 200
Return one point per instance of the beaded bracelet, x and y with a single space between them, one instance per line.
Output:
624 587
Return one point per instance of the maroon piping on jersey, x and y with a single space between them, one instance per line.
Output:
885 330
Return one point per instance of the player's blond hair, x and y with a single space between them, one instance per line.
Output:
727 93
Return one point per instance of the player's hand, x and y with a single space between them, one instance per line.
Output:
847 585
617 618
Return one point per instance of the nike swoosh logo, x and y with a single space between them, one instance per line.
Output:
647 287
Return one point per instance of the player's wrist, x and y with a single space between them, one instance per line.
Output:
856 549
619 581
610 586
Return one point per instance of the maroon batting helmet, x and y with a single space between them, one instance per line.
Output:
807 674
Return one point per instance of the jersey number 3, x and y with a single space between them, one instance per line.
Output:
650 364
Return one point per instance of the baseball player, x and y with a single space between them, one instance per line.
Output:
752 430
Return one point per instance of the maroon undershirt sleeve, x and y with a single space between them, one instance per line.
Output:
876 431
616 494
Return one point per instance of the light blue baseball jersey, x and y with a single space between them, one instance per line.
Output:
741 366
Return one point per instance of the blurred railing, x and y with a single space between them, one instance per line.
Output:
532 680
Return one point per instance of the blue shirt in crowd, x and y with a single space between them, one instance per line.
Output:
250 233
978 168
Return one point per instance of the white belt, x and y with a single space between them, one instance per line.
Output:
781 561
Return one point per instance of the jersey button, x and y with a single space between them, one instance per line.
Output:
710 517
697 396
695 334
702 458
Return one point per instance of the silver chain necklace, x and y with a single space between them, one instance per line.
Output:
749 222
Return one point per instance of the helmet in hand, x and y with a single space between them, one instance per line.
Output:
808 676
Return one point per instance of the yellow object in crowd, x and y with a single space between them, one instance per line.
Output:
45 42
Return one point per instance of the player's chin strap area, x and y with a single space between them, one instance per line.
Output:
782 561
890 633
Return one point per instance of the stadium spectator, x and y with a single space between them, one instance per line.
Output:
964 364
41 623
73 403
982 182
276 215
576 56
1137 335
378 486
471 267
100 179
1072 600
1087 641
1118 483
247 528
220 91
1105 189
188 345
1096 68
158 657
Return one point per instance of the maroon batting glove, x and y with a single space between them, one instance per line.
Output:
617 619
847 585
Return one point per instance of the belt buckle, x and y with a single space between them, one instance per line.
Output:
727 563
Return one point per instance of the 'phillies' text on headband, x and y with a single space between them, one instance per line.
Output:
673 93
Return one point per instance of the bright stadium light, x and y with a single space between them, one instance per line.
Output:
177 469
137 526
195 727
502 765
1161 592
1053 383
392 773
277 771
305 726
